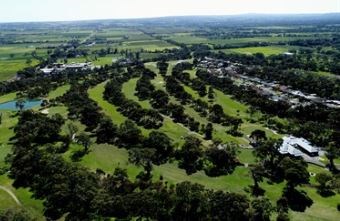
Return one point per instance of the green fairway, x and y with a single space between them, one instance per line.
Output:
96 94
129 90
58 91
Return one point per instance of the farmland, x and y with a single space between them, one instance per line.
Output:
270 50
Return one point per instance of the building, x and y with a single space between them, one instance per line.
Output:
59 67
298 147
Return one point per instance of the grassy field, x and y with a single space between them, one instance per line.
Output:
192 39
269 50
13 58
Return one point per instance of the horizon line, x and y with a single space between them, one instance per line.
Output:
171 16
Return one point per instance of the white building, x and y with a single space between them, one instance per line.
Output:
58 67
298 147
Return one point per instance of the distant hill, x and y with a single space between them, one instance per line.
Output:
225 20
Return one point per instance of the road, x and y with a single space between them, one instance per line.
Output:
11 194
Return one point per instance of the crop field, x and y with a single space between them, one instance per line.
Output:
14 58
192 39
187 38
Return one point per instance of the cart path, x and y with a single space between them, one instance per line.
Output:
11 194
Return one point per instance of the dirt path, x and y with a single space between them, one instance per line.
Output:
11 194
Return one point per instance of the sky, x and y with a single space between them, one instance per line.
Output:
67 10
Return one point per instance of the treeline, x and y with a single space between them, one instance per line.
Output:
214 113
33 82
80 106
147 118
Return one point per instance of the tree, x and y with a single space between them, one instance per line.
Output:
72 130
221 159
17 214
216 114
107 132
191 202
163 67
129 134
84 140
268 154
1 118
190 154
199 86
20 104
332 152
28 61
257 136
261 209
228 206
211 93
162 145
159 99
208 131
257 173
325 183
295 171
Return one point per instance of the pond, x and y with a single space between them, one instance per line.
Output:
10 105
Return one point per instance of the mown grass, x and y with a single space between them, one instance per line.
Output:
96 94
129 90
59 91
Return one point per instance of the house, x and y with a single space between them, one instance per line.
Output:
298 147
